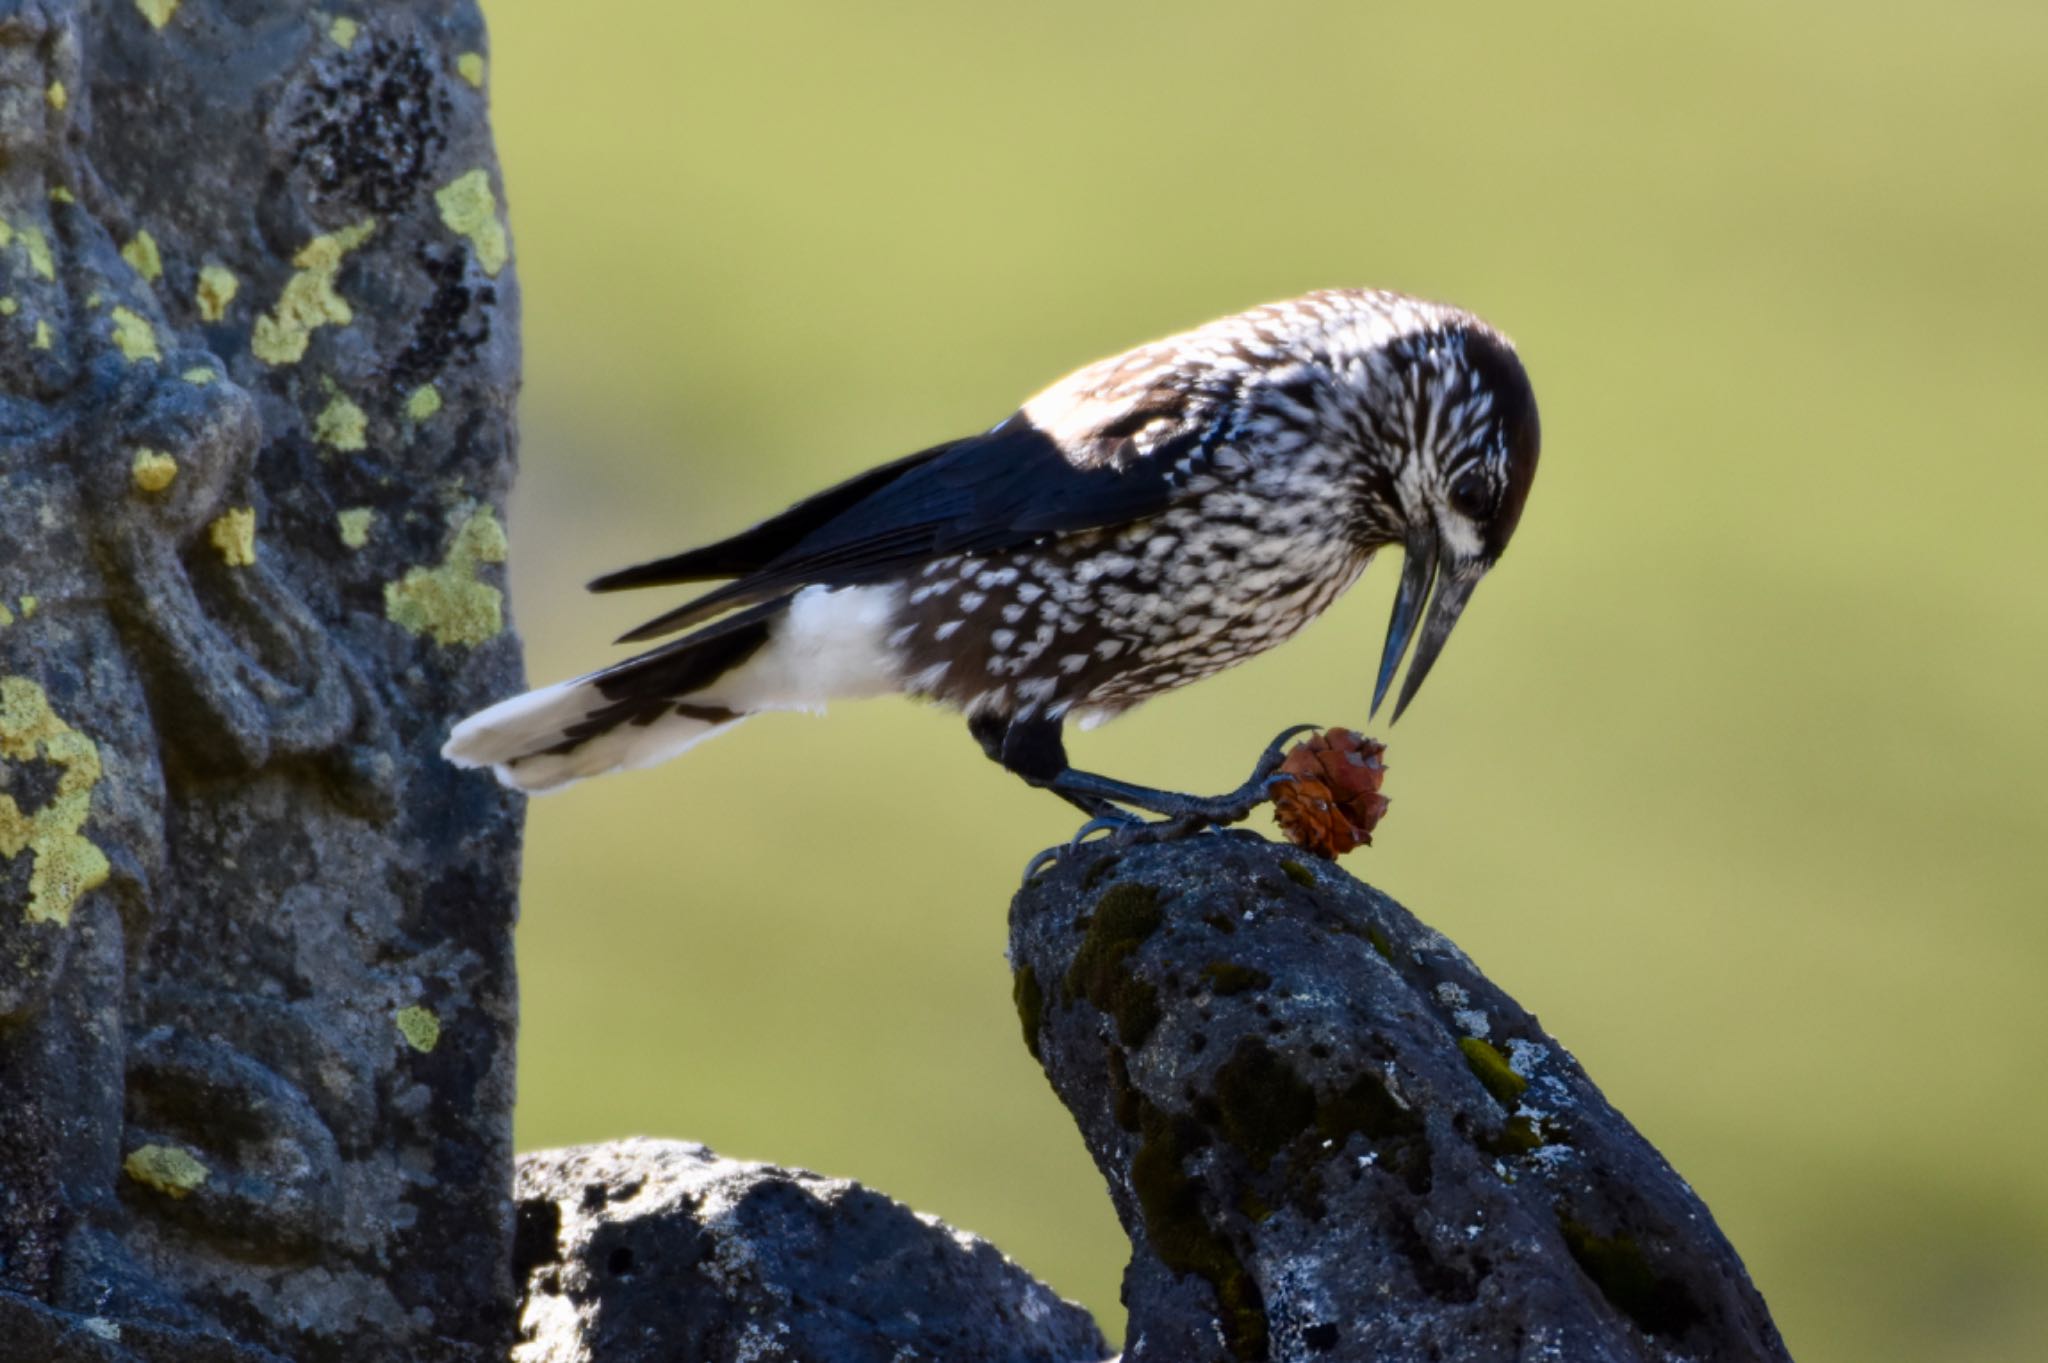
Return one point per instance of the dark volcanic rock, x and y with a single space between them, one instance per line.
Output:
258 356
1329 1137
647 1251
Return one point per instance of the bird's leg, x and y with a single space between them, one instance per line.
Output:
1188 813
993 733
1034 750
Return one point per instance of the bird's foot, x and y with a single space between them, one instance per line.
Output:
1180 815
1116 824
1198 810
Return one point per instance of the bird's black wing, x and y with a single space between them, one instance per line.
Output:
754 549
1007 487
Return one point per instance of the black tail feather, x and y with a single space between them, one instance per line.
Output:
641 690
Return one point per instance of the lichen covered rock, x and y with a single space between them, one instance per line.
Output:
256 1003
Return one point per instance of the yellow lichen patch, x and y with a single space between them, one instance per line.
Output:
153 470
217 286
471 210
424 402
342 32
28 607
141 253
470 66
158 12
38 247
61 195
6 615
199 377
42 341
170 1169
448 602
6 234
9 305
355 525
57 95
420 1028
67 864
233 532
341 424
309 299
134 336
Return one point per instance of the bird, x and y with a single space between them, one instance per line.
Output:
1142 524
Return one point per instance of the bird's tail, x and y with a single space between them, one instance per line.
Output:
793 653
643 711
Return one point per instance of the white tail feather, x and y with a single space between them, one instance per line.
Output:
828 647
512 736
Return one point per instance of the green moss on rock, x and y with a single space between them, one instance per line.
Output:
1367 1107
1126 1103
1099 870
1493 1070
1137 1012
1262 1104
1181 1235
1379 941
1517 1136
1127 913
1124 917
1618 1267
1030 1000
1228 977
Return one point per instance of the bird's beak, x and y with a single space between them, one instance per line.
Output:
1427 562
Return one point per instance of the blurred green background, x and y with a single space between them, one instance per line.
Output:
1735 770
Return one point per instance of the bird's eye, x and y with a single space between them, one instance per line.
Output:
1472 496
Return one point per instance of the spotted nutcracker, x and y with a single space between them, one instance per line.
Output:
1143 523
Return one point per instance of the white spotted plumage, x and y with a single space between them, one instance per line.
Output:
1247 472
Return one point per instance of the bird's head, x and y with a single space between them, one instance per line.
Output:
1454 420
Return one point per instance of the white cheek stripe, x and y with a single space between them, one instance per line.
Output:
1460 536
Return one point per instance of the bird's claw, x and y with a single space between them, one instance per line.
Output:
1276 751
1112 824
1115 824
1041 861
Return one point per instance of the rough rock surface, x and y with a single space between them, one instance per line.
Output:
258 354
646 1251
1329 1137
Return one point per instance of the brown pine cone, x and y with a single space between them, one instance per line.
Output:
1334 801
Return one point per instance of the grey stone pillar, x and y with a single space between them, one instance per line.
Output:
258 354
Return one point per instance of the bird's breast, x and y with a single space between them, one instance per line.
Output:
1104 619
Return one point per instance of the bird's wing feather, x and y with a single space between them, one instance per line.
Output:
998 490
753 549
